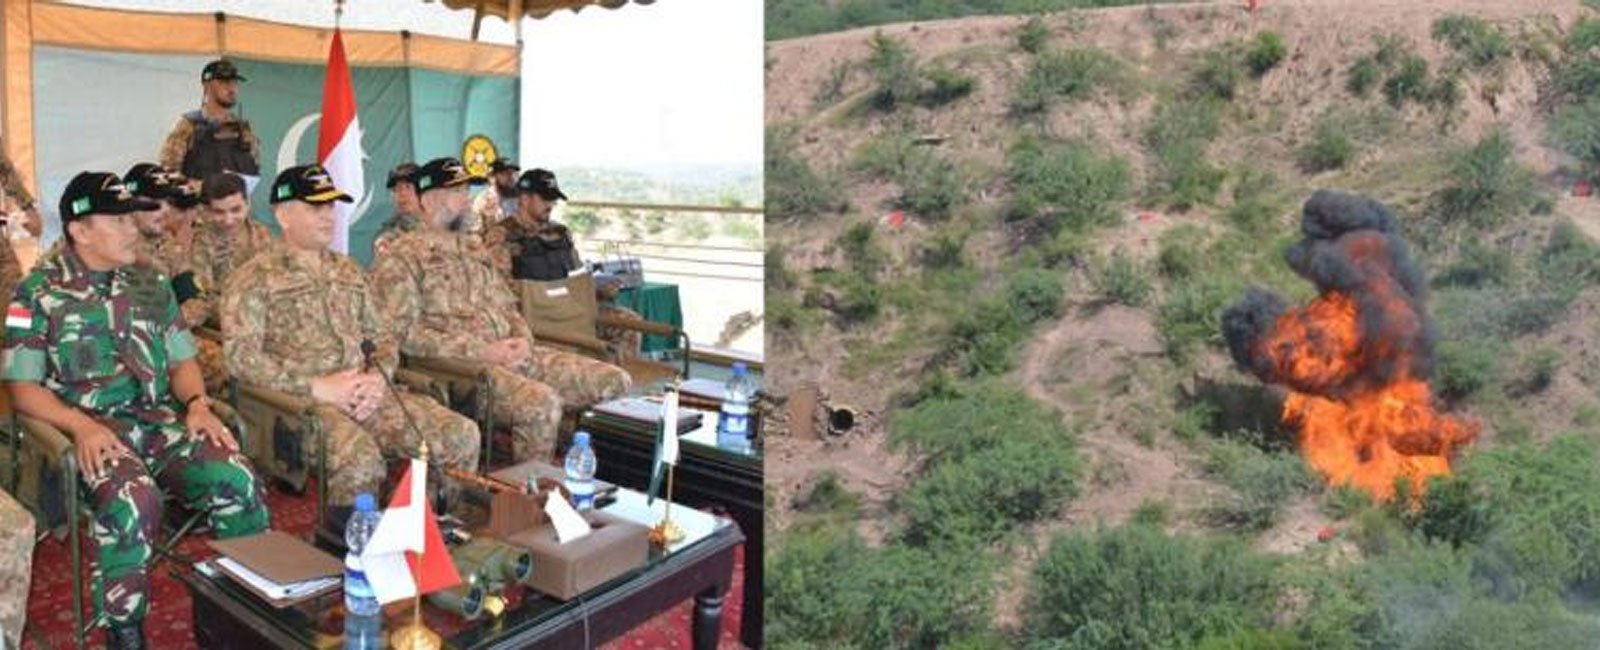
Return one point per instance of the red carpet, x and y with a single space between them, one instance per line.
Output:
169 626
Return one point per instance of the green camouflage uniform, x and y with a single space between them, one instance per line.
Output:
16 568
399 223
104 342
287 319
443 299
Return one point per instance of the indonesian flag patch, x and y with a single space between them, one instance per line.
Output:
19 317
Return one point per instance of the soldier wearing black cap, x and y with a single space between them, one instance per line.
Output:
296 318
407 207
500 200
529 246
95 346
212 139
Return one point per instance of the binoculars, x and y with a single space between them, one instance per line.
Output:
486 566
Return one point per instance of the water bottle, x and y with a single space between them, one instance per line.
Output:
358 597
733 419
580 472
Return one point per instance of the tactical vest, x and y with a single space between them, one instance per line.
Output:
537 258
215 147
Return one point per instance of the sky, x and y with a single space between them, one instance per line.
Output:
677 82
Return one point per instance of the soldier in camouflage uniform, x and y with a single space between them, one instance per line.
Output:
225 237
16 568
156 247
212 139
96 346
529 246
439 293
11 184
294 319
407 210
497 202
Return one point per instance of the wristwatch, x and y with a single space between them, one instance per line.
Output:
201 398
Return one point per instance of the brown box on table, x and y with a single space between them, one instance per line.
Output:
613 548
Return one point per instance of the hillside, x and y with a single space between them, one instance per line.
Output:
1008 242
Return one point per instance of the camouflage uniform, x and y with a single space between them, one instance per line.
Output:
287 320
486 211
16 564
104 343
438 292
212 257
399 223
177 145
11 183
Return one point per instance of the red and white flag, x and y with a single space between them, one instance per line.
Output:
339 141
406 555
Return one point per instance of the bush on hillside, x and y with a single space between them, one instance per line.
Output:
894 69
1264 53
1122 279
1068 75
794 189
1328 149
1261 483
1475 39
945 86
1066 186
1033 36
1488 186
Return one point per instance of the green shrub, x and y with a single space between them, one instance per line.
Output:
584 222
793 188
1179 134
931 187
1191 315
984 415
1363 75
944 250
1409 83
1256 205
945 86
828 496
776 270
1575 129
832 88
1251 640
1465 367
887 156
1065 185
1487 185
1134 587
974 499
826 588
1182 252
1477 41
1262 483
1151 513
1218 74
1069 75
894 69
1569 263
1329 148
1033 35
1121 279
1264 53
859 246
1034 295
1478 266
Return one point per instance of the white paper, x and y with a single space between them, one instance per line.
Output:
669 435
555 292
276 589
569 524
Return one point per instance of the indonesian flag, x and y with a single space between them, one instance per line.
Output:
339 141
406 555
18 317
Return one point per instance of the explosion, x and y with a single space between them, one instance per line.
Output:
1356 359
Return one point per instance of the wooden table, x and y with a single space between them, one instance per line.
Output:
227 616
708 477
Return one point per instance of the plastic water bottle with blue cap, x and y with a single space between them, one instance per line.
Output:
363 628
580 468
733 419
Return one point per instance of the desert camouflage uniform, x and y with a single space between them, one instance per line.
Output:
212 257
104 343
288 318
16 566
397 224
10 266
486 211
440 295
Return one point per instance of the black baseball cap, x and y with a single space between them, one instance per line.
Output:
402 173
502 164
441 172
220 69
309 183
148 180
91 193
541 182
184 194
